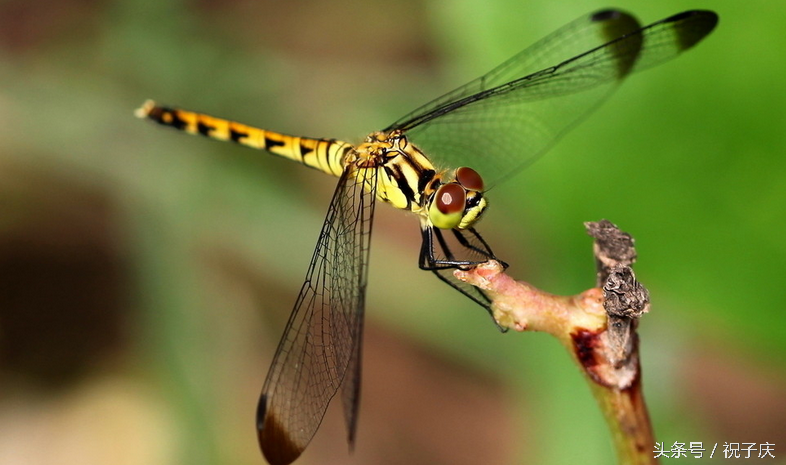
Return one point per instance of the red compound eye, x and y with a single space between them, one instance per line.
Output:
469 178
451 198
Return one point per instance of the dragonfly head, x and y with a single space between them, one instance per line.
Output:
458 203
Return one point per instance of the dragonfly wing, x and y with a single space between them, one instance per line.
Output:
321 346
504 120
576 37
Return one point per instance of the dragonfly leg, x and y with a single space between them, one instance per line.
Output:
480 246
443 267
428 259
475 250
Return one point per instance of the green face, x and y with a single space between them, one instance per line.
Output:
459 203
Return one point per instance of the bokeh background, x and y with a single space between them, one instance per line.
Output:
145 276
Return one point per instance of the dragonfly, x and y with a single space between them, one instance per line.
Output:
439 163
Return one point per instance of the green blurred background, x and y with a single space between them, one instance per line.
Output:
145 276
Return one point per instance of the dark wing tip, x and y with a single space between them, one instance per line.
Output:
706 14
276 443
261 412
696 25
605 15
617 23
615 26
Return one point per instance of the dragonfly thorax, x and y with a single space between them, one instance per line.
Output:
406 178
404 175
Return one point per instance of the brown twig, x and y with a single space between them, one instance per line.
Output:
598 327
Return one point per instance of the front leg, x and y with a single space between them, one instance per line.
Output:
469 249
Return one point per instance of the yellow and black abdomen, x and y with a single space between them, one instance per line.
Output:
326 155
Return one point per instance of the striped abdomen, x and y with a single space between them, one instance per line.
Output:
326 155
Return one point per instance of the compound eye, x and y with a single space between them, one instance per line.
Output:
451 198
448 206
469 178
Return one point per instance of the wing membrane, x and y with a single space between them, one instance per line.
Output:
504 120
321 347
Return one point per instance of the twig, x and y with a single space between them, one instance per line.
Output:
598 327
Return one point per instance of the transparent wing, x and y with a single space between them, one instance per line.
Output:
504 120
321 346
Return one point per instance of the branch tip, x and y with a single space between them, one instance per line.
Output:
612 247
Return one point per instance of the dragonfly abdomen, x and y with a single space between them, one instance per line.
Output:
326 155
